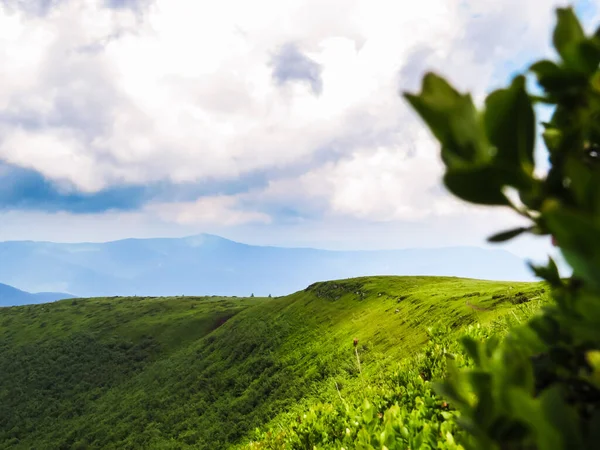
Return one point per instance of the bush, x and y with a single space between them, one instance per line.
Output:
398 411
540 387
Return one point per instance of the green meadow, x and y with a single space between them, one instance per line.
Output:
226 372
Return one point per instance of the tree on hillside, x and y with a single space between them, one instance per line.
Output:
540 387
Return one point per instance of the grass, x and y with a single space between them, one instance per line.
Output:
206 372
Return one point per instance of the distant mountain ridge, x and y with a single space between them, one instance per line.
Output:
205 264
10 296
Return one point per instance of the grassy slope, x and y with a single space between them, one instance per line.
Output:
159 374
57 359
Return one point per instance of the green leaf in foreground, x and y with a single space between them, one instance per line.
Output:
568 33
510 126
538 388
482 185
507 235
453 120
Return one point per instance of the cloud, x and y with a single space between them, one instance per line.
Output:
26 189
222 210
289 64
385 184
38 8
136 5
205 113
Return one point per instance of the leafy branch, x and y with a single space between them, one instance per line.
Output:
539 388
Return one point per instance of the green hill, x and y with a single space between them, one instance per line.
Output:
187 372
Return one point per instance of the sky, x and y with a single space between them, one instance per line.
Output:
273 122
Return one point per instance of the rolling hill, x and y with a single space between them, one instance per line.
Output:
206 265
205 372
10 296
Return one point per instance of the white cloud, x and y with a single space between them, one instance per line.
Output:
94 97
56 152
221 210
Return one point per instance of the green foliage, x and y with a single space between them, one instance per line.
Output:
204 372
538 388
395 409
55 376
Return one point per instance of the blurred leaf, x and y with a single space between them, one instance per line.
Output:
449 390
578 238
579 53
568 32
562 418
594 436
505 430
589 52
511 397
453 120
480 381
510 126
584 182
485 410
549 272
527 339
483 185
506 235
515 369
530 412
552 138
556 80
546 329
472 347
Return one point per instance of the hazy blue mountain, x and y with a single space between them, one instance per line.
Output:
207 264
10 296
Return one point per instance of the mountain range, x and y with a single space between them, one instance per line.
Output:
10 296
211 265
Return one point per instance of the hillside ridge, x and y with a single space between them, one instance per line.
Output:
203 372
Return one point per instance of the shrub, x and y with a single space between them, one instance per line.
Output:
540 387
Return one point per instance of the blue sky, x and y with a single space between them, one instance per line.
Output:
267 122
